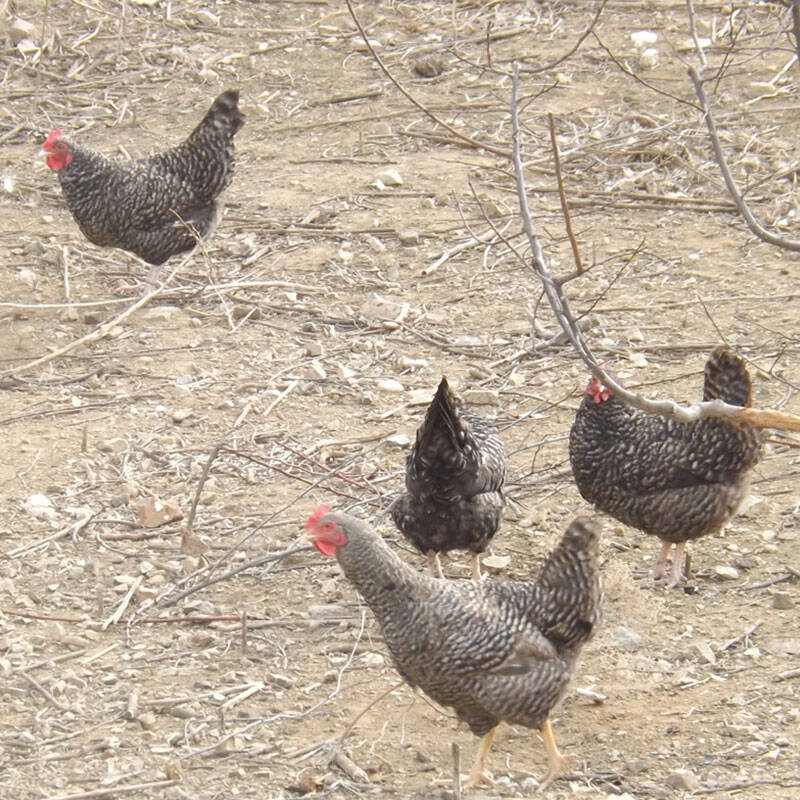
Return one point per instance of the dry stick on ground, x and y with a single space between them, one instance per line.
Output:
101 331
460 136
256 562
755 226
110 791
558 302
164 602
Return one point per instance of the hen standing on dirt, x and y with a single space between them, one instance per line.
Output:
492 650
676 480
154 207
454 480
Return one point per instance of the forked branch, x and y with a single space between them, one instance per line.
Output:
741 204
558 302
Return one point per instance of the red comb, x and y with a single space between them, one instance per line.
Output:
51 138
319 512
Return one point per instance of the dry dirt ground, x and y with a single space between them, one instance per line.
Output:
306 340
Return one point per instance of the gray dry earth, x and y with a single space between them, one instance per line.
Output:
275 342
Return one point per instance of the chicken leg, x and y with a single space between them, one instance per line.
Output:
476 566
661 561
434 565
677 563
556 760
479 773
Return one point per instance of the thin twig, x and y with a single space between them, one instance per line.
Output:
44 692
755 226
201 483
114 790
256 562
100 331
456 750
117 615
562 196
460 136
695 38
796 27
633 75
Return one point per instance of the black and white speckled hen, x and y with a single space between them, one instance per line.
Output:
675 480
454 480
493 651
155 207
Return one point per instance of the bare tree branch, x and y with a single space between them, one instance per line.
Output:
558 302
796 27
755 226
628 71
573 50
695 38
562 196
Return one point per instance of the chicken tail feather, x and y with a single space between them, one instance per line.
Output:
727 378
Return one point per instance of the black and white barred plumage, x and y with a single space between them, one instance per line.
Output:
454 479
154 207
675 480
494 651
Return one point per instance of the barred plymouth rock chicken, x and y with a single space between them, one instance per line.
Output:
454 480
675 480
494 651
154 207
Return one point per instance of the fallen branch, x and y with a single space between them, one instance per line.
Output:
101 331
114 790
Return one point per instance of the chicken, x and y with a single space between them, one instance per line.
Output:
154 207
493 651
454 480
675 480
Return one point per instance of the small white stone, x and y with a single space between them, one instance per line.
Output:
390 177
683 779
21 29
206 17
390 385
496 562
480 397
705 652
638 360
626 639
644 38
726 573
28 277
39 506
649 58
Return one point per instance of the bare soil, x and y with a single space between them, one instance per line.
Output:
273 343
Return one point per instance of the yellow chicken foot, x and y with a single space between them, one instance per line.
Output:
476 566
555 759
479 773
434 565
